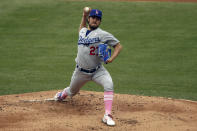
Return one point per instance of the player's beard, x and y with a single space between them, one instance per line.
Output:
93 27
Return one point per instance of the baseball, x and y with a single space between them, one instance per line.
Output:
86 9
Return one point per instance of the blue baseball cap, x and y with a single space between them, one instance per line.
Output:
95 12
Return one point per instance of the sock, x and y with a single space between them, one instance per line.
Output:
108 99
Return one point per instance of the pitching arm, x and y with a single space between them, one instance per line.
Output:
84 18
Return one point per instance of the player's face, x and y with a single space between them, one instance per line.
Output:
94 22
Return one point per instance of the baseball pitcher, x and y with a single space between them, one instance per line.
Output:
93 50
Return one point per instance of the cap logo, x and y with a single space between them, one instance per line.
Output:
97 12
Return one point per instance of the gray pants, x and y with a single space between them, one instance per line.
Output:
79 78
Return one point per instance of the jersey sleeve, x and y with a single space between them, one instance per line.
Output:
82 30
109 39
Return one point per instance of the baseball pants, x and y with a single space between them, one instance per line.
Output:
80 78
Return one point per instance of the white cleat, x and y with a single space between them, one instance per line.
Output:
107 119
57 96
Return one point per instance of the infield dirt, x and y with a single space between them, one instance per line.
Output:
85 110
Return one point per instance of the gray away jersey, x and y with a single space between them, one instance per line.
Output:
87 56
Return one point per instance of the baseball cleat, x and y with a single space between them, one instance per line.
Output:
58 97
107 119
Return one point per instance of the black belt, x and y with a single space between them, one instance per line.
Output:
88 71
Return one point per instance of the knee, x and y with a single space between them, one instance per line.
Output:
109 86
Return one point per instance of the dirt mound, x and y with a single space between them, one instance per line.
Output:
84 112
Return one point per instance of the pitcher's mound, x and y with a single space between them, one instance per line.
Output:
30 111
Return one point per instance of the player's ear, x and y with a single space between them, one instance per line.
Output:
87 20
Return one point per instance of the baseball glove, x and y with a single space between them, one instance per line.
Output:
104 52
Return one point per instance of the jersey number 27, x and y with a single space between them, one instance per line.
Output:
93 50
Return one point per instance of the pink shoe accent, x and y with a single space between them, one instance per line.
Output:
64 94
108 99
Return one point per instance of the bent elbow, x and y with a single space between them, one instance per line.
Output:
120 47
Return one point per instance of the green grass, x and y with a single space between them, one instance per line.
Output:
38 45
